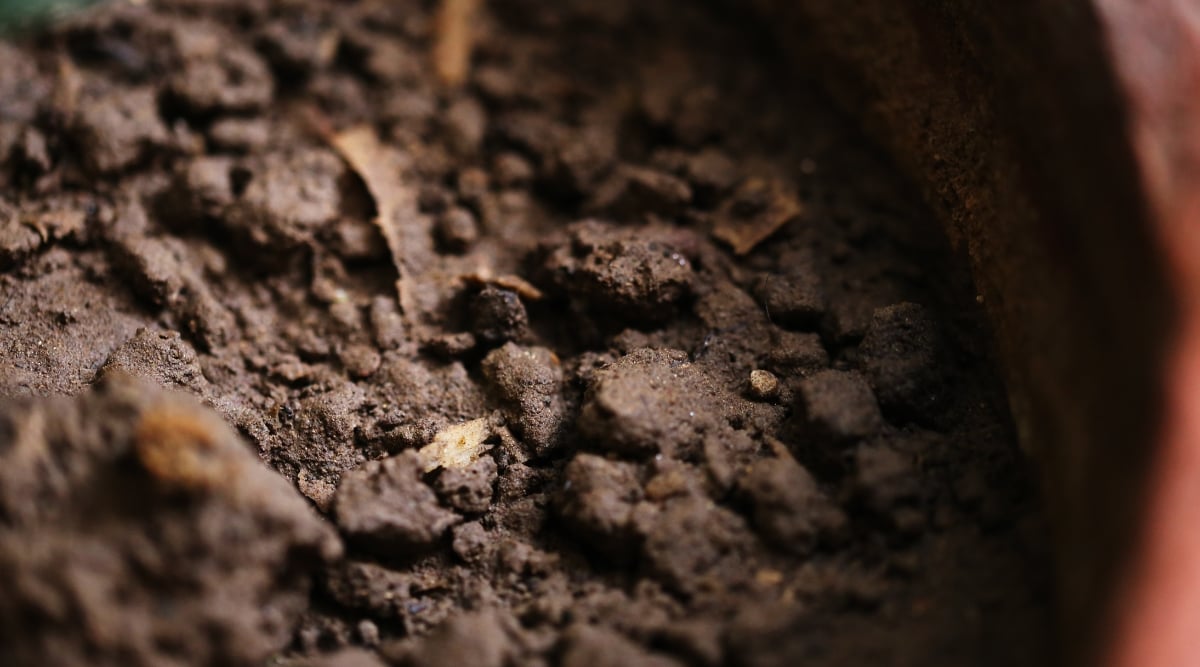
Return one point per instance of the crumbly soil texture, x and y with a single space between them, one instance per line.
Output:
625 350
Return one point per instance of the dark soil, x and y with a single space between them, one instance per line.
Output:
584 431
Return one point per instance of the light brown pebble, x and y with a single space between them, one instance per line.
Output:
763 384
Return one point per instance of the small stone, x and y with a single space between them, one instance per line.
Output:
839 405
763 385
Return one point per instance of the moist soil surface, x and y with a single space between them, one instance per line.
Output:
627 350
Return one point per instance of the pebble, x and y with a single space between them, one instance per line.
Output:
763 385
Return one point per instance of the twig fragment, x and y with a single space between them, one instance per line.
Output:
453 41
380 168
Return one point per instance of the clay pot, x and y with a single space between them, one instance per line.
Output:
1059 143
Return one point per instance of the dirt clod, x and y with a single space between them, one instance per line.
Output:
468 489
498 316
790 511
591 646
649 402
839 405
597 503
902 353
106 547
386 504
527 382
614 272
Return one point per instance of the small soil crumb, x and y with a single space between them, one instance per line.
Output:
160 356
457 229
289 197
795 299
117 128
240 135
839 406
343 658
649 402
614 272
498 316
527 382
597 502
689 540
886 484
468 489
589 646
479 639
902 354
387 505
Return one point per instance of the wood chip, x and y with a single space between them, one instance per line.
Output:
380 168
66 88
457 446
758 209
522 287
454 39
